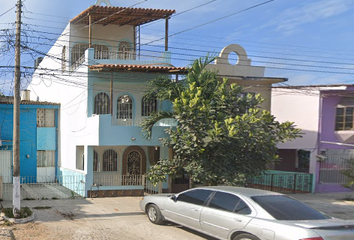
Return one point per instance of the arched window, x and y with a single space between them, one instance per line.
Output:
110 161
124 50
102 104
95 162
148 105
124 107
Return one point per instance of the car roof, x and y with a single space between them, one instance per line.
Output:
250 192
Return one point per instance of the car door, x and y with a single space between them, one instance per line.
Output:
186 207
224 213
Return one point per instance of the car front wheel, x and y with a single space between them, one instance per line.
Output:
154 214
245 236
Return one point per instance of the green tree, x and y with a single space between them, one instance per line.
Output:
222 136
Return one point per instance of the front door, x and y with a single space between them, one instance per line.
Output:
5 166
45 166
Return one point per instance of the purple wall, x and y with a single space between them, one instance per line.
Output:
329 103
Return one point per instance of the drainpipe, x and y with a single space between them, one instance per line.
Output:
316 178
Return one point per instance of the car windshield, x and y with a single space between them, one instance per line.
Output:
285 208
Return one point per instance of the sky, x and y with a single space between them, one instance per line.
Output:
309 42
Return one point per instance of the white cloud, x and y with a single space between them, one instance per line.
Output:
290 19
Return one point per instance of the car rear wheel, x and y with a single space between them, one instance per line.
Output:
154 214
245 236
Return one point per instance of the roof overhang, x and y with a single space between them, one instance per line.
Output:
138 68
120 15
253 80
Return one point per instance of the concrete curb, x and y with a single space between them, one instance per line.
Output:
19 221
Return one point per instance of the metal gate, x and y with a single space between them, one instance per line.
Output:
6 166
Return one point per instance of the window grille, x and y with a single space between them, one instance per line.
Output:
148 106
134 163
110 161
78 51
102 104
95 162
124 50
101 51
124 107
45 117
45 158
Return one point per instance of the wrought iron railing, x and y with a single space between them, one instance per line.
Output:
58 187
284 182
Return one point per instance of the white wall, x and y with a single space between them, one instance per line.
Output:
300 106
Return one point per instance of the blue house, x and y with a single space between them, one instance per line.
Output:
38 140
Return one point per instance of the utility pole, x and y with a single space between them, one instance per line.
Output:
16 198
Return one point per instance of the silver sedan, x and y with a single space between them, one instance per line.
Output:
235 213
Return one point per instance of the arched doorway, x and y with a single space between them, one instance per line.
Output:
134 165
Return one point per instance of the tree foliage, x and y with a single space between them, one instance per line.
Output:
222 136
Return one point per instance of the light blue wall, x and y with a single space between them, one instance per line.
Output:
46 138
73 180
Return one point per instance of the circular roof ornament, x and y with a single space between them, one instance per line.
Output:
99 2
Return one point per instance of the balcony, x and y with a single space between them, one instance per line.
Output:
92 57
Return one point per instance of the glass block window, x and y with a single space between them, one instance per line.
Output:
45 117
102 104
110 161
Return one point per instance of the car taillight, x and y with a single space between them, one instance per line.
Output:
312 238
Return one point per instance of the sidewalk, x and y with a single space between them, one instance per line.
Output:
330 203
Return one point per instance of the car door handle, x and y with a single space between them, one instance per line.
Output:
195 209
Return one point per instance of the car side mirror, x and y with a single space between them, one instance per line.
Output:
174 198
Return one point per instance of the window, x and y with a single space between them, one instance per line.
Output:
95 162
229 202
344 118
148 105
45 158
102 104
45 117
285 208
110 161
78 53
124 50
198 196
63 59
124 107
